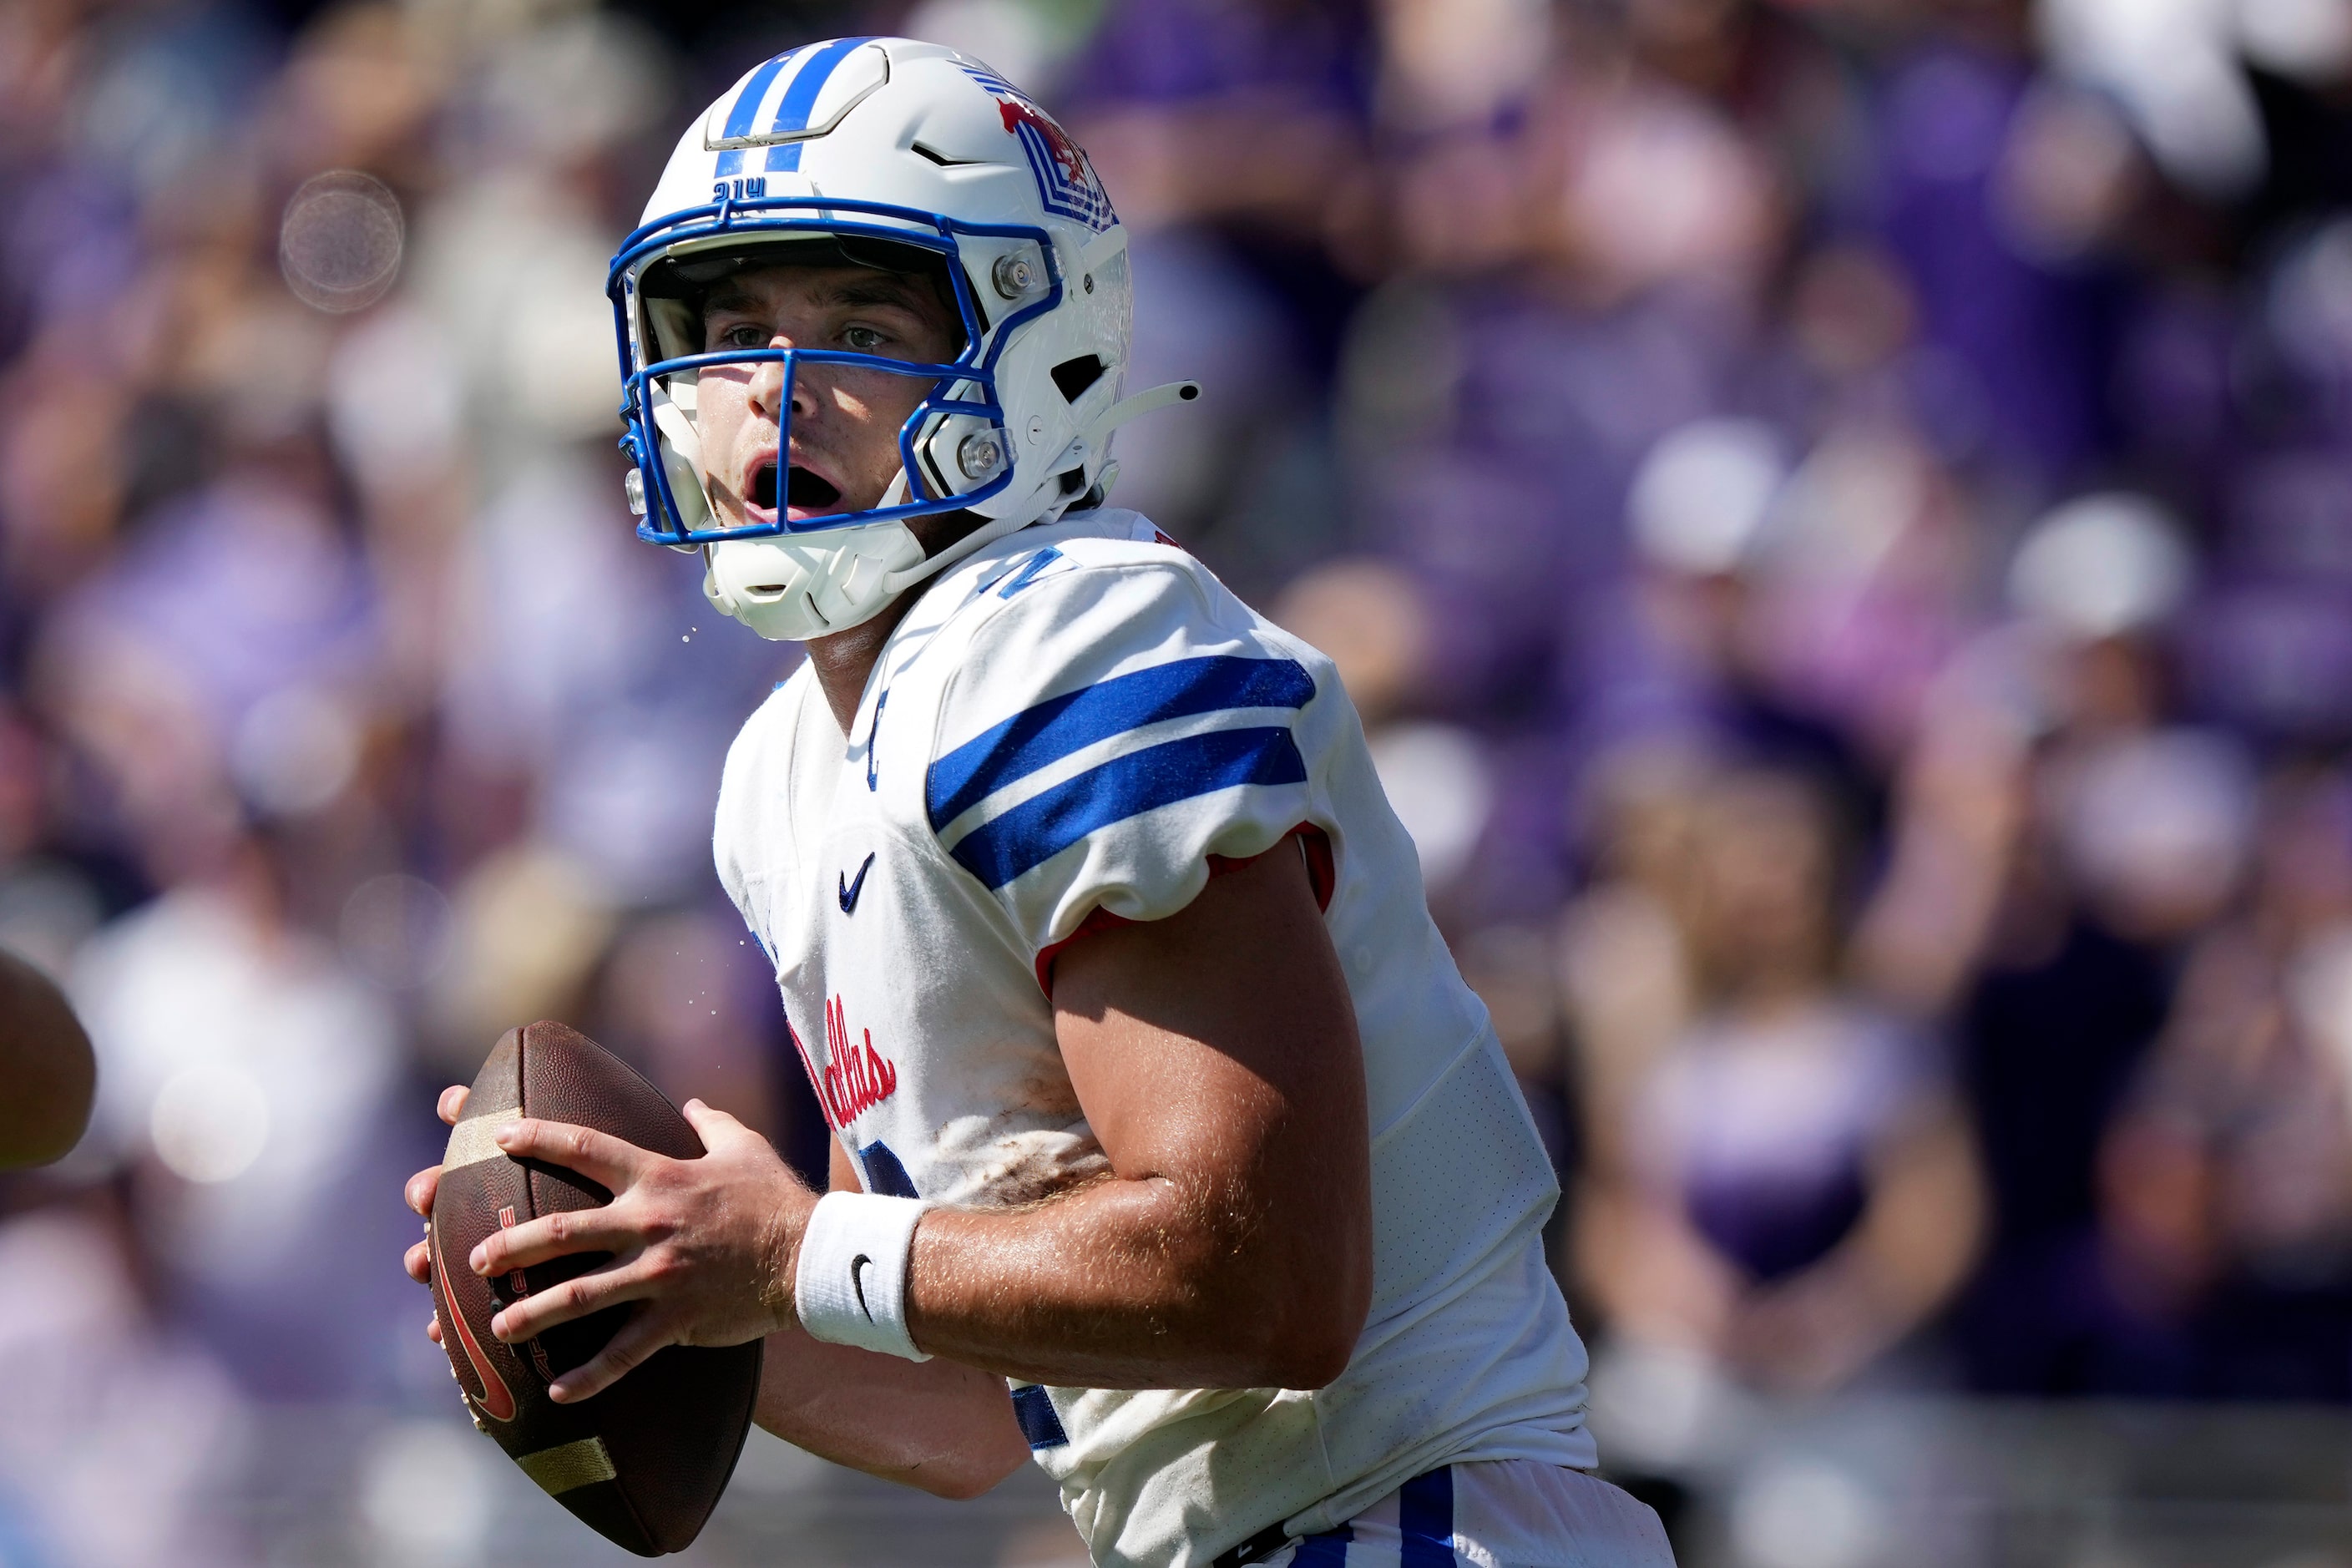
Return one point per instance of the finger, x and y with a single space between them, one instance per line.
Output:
419 1263
452 1103
716 1128
599 1156
552 1236
432 1328
421 1189
591 1292
639 1339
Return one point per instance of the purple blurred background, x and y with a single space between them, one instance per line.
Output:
1837 514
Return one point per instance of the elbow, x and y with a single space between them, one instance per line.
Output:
1315 1339
1313 1361
961 1484
962 1477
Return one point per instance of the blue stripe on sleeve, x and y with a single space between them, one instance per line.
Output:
1034 1409
1040 828
747 109
800 100
1425 1519
1060 725
885 1172
1329 1550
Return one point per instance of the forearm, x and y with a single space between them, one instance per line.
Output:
944 1427
1126 1284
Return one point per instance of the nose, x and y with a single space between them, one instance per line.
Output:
767 390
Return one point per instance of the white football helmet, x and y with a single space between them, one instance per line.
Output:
908 156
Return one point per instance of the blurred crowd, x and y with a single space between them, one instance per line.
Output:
1837 515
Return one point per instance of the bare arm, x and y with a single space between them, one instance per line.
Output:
46 1072
1215 1056
938 1425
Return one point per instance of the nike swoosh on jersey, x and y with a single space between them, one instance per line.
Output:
498 1400
849 889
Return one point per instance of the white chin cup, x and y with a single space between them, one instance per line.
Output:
789 589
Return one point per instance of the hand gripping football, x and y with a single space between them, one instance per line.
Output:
643 1462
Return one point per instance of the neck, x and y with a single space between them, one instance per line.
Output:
844 660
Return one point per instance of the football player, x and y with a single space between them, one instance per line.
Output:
1169 1146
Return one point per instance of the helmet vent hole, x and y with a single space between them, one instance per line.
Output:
942 159
1074 375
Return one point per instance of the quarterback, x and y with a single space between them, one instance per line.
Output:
1170 1149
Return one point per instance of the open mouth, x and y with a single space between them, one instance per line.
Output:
803 488
807 488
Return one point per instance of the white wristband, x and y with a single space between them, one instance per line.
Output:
851 1286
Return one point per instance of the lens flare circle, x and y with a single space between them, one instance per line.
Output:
340 240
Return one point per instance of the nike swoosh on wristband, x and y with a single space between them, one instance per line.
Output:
498 1400
857 1267
849 889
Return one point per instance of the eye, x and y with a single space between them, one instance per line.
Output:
865 340
743 335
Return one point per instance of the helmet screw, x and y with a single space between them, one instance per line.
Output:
1090 282
980 454
1014 275
633 485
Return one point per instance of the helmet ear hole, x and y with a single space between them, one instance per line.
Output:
1073 376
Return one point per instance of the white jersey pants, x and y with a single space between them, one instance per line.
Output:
1505 1513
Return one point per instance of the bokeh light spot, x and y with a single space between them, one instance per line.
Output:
339 242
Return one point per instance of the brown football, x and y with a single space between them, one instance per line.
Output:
643 1462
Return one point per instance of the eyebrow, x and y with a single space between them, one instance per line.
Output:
883 289
727 298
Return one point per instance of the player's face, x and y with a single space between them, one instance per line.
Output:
843 451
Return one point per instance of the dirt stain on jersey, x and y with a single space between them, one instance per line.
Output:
1046 1092
1030 1167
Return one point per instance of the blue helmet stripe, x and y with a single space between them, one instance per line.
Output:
1038 829
800 100
747 109
1060 725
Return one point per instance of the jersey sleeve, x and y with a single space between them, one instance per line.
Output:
1110 732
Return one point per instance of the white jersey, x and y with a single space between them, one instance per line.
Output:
1078 718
